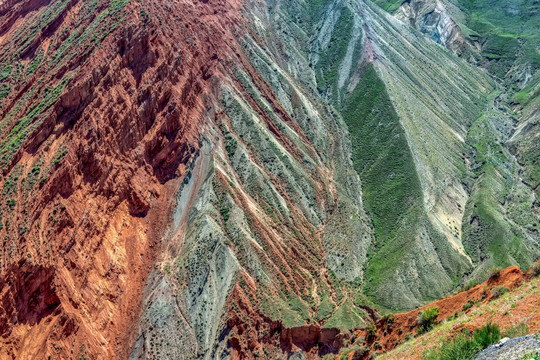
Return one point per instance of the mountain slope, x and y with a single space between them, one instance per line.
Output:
513 311
437 99
103 109
238 179
500 206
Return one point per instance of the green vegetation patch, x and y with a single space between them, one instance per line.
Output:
382 157
389 5
499 291
11 144
4 74
4 90
465 345
427 319
326 307
60 154
327 67
293 312
508 32
346 317
11 203
117 5
381 154
488 235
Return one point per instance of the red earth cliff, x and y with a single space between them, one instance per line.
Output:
101 117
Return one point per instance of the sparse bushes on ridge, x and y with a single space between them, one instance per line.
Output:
470 303
388 319
494 273
371 331
360 352
427 318
467 286
11 203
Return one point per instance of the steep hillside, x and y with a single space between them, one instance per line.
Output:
150 151
501 38
513 311
102 111
240 179
499 35
508 299
429 191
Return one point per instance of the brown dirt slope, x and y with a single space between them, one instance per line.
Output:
469 309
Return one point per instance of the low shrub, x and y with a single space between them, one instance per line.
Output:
360 352
462 347
388 319
427 318
494 273
371 331
487 335
517 330
531 356
499 291
11 203
470 303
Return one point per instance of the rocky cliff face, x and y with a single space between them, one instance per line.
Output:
234 179
434 19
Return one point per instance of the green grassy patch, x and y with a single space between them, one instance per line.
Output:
293 312
381 154
4 74
327 68
488 235
11 144
325 308
465 345
382 157
507 31
346 317
389 5
519 97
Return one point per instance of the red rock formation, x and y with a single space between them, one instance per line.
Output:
87 191
251 333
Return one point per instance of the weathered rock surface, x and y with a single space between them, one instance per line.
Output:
436 20
102 117
525 347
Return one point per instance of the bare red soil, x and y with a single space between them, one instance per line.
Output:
126 126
